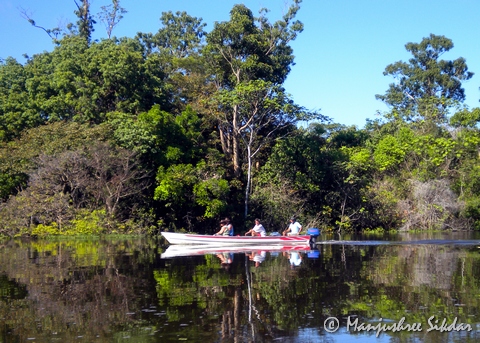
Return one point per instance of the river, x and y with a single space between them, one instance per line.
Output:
398 288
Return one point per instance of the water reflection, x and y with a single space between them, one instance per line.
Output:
132 290
294 257
226 259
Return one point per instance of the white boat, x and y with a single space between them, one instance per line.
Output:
189 238
206 249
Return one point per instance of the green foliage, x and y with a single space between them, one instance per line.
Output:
361 158
159 136
180 35
187 186
12 176
249 59
68 170
384 198
209 193
77 81
190 125
472 210
264 46
388 153
318 168
466 118
173 183
14 115
297 159
88 223
46 230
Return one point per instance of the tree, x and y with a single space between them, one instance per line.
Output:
85 20
417 151
84 27
263 112
426 85
250 59
14 114
111 16
291 180
176 47
180 36
246 49
52 33
18 158
115 174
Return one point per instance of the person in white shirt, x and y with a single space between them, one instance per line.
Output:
294 229
257 230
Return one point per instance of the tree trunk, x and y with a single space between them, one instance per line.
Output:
237 170
225 142
249 178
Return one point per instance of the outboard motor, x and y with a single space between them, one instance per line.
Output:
313 232
313 254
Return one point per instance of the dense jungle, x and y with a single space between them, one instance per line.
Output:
176 129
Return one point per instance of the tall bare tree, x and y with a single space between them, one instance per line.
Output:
111 16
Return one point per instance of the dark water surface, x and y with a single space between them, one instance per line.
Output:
400 288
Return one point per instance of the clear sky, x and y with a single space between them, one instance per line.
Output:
340 56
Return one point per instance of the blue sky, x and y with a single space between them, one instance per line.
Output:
340 55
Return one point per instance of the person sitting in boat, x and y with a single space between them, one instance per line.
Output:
224 228
294 229
257 230
229 225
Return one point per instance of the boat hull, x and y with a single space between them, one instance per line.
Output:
187 238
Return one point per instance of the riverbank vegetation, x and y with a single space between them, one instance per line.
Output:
179 128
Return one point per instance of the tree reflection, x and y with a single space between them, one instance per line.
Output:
109 289
74 288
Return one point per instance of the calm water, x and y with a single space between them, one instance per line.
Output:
351 289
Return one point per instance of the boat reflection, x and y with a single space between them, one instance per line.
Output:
257 257
252 250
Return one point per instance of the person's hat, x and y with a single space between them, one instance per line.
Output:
258 220
293 218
